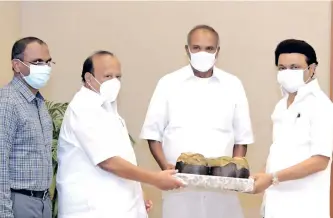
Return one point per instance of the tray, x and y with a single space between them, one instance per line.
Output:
216 183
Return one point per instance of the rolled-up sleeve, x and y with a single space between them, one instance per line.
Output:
156 117
99 135
322 131
242 121
8 123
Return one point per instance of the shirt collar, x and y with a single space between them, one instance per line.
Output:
96 98
22 87
309 88
92 96
190 74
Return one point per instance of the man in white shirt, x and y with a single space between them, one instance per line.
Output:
98 176
201 109
298 167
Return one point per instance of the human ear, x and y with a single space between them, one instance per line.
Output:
87 76
187 50
217 51
16 66
312 70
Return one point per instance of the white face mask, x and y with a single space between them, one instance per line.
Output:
202 61
291 80
39 75
109 89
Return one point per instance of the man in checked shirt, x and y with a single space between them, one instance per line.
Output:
26 134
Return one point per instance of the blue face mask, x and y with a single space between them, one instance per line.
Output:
39 75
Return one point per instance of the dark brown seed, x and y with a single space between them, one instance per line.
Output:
243 173
192 169
228 170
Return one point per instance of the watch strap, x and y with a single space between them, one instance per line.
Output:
275 179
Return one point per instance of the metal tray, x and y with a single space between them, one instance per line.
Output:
215 183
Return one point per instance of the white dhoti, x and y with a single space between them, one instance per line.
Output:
200 204
293 204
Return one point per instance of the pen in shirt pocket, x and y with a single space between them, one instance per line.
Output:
297 117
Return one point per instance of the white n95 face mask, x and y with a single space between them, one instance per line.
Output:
109 89
202 61
291 80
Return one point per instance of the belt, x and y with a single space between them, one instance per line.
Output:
37 194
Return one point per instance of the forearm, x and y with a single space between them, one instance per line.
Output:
158 154
308 167
239 150
126 170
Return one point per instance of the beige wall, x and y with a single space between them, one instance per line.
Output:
149 38
9 32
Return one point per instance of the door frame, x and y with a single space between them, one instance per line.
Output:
331 95
331 55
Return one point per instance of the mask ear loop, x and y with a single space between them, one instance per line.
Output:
313 74
283 91
92 86
16 59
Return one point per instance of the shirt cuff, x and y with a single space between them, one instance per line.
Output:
244 142
327 153
97 159
151 135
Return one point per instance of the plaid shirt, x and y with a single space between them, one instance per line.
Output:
25 143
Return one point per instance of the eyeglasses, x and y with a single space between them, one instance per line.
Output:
41 63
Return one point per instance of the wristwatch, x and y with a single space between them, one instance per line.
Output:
275 179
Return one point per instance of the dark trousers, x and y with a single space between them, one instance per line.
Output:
31 207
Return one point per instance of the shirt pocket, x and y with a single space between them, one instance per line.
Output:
181 111
30 133
220 114
291 129
300 131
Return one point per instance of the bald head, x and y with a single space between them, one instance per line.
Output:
203 31
99 62
100 67
105 65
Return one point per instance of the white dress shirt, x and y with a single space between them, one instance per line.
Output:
200 115
303 130
92 131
